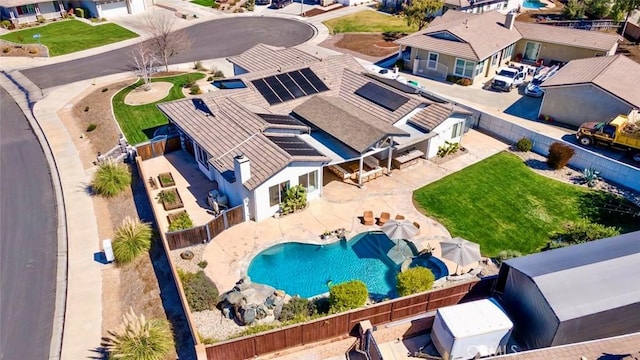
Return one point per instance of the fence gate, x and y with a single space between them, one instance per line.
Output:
158 147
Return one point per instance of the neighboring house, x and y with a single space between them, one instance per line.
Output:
28 11
481 6
596 89
110 8
474 46
308 123
573 294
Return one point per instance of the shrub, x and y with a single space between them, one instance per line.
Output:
464 82
218 74
347 296
506 255
295 199
582 231
105 90
200 291
559 155
111 178
590 176
194 90
198 66
131 239
5 24
414 280
524 145
166 197
40 19
297 308
181 222
79 12
573 9
6 50
33 50
256 329
91 127
203 264
86 109
210 78
140 339
448 148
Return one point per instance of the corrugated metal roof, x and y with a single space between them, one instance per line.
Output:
616 74
263 57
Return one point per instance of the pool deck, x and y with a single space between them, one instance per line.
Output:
340 206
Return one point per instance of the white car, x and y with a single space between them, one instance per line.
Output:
507 78
382 72
533 88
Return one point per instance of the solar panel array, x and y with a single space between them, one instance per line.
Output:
288 86
277 119
381 96
294 146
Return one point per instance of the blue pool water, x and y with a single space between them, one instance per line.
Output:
533 4
307 270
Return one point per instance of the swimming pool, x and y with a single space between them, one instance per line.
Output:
307 270
533 4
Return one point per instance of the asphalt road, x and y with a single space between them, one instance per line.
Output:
28 239
210 40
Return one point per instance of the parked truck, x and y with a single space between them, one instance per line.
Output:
623 132
508 77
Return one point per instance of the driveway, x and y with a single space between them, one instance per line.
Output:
28 241
210 40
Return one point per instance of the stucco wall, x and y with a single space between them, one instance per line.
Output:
450 62
444 131
550 52
577 104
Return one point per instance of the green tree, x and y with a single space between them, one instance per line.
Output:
414 280
131 239
417 11
140 339
598 9
111 179
347 296
573 9
625 8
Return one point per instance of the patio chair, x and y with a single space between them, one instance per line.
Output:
384 217
368 219
399 217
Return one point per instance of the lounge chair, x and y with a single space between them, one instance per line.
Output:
368 219
384 217
399 217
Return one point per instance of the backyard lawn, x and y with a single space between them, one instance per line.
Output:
64 37
369 21
138 122
503 205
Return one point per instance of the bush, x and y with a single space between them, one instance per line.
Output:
414 280
91 127
79 12
198 66
464 82
140 339
111 178
297 308
181 222
218 74
194 90
573 9
166 197
40 19
506 255
6 50
105 90
203 264
210 78
200 291
559 155
524 145
295 199
130 240
5 24
590 176
347 296
582 231
448 148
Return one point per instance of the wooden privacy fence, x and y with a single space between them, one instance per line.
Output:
152 149
337 325
205 233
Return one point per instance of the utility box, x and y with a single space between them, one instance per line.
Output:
108 250
470 330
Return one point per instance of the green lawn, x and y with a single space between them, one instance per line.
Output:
139 122
64 37
369 21
502 204
206 3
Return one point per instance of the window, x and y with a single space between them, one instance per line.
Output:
432 63
26 9
479 67
309 181
277 193
494 59
457 130
508 51
464 68
203 157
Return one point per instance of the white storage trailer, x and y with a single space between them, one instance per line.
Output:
477 328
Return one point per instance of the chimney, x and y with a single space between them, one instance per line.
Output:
509 20
242 168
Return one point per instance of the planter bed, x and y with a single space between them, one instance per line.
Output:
174 215
177 204
166 180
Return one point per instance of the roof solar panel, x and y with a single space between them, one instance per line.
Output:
294 146
304 84
314 80
278 88
381 96
266 92
277 119
288 83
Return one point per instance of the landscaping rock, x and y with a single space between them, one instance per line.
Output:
261 312
247 315
187 255
234 298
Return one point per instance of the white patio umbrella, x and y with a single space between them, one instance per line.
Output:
399 229
460 251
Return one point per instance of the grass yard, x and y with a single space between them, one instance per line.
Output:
139 122
369 21
68 36
502 204
206 3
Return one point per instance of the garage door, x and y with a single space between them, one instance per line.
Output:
114 9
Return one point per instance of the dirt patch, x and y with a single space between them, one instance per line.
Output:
146 95
31 50
319 11
630 49
370 47
441 160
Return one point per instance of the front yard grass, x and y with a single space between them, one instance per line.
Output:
369 21
501 204
206 3
138 122
68 36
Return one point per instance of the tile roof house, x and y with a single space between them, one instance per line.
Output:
29 11
474 46
298 122
480 6
595 89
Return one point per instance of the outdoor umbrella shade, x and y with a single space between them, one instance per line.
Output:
400 229
460 251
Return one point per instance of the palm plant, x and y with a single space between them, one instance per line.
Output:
140 339
110 179
131 239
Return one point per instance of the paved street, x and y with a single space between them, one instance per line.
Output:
28 241
210 40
